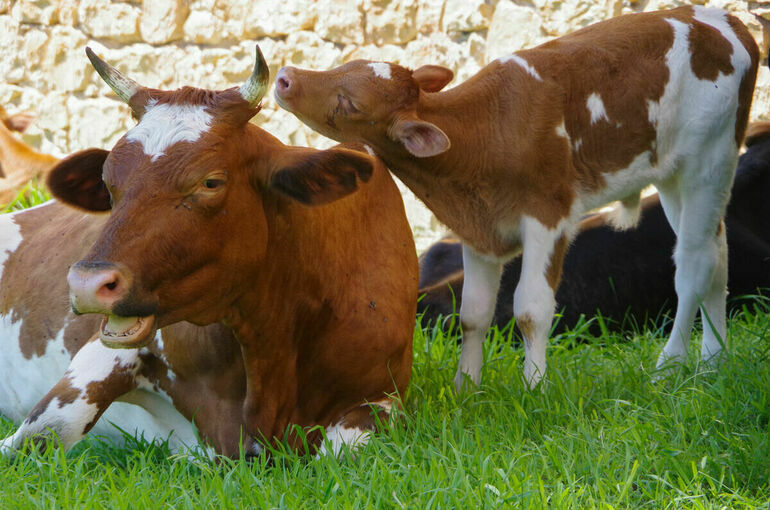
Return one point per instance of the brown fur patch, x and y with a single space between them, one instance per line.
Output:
746 90
553 271
710 52
103 393
34 286
64 392
526 325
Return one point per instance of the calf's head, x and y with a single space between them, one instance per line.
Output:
373 102
186 190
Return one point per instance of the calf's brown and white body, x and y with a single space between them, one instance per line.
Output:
512 158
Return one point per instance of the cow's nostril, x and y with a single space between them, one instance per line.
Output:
283 83
111 285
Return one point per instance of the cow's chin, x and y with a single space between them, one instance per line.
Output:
127 332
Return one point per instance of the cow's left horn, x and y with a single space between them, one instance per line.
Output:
254 89
124 87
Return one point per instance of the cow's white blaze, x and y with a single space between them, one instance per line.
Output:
164 125
595 106
521 63
381 69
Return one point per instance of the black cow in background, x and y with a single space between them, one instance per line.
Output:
627 276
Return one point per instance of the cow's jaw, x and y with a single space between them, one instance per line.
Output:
127 332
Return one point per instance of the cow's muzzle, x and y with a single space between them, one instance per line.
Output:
102 287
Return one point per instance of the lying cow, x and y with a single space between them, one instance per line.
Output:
19 163
211 220
514 157
627 276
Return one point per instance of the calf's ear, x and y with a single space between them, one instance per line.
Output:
315 177
77 180
420 138
19 122
432 78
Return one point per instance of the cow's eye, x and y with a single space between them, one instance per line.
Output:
213 183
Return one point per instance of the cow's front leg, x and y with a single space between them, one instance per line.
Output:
534 300
482 281
95 377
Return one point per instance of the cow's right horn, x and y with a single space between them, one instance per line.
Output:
124 87
254 89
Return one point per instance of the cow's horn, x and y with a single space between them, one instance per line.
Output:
124 87
254 89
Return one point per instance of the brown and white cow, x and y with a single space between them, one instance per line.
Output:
512 158
19 163
214 220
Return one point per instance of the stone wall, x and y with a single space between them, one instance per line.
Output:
210 43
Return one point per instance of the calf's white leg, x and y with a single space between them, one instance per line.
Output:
534 299
700 256
482 281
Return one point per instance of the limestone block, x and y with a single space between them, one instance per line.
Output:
11 57
98 122
162 20
385 53
64 61
340 21
467 15
117 22
390 21
68 12
267 18
657 5
565 16
309 50
148 65
5 5
438 49
514 27
202 27
33 54
760 108
41 12
429 15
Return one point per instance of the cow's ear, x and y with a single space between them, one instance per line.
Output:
420 138
19 122
77 180
432 78
315 177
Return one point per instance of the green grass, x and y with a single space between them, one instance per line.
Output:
30 195
602 434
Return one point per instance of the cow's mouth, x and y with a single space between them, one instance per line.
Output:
127 332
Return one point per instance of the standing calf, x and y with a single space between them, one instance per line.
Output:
512 159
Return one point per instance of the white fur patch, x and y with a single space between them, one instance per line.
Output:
167 124
339 435
523 64
595 105
381 69
562 131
